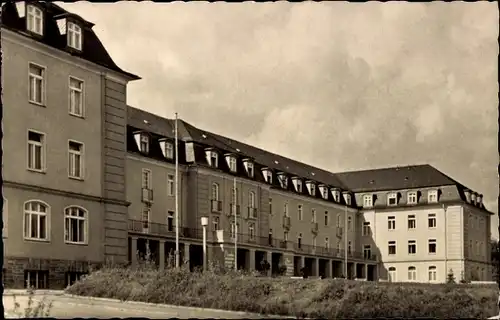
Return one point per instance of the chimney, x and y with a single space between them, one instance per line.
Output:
473 197
467 195
479 200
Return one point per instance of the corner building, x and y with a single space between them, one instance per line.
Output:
88 179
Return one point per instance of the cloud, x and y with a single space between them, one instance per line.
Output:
339 85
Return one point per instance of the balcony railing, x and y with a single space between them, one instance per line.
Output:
161 229
231 209
216 206
252 213
147 195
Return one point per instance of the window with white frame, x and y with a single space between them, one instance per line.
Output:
298 185
250 171
234 195
392 274
36 151
313 216
268 175
368 200
327 218
349 223
146 215
251 199
234 229
412 246
431 218
170 185
232 164
215 223
146 179
392 199
34 19
391 247
391 223
37 279
36 84
170 221
251 230
299 212
432 246
412 221
366 228
432 196
283 179
36 225
74 36
169 150
324 192
367 251
215 191
432 273
285 209
412 273
75 219
75 166
144 143
412 197
75 97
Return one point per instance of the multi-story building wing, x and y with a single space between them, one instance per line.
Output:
64 146
422 223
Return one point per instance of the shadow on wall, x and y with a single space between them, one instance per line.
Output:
368 248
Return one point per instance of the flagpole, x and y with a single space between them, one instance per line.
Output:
177 252
235 227
345 242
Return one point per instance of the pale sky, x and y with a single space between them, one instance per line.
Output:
342 86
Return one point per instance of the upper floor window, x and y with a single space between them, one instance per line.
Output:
144 144
324 192
432 196
327 218
36 84
298 184
234 195
215 223
367 251
367 200
231 160
392 247
251 199
146 179
74 36
34 19
327 243
412 197
249 167
75 151
75 97
412 246
432 246
391 223
366 228
412 221
336 195
283 179
347 198
170 185
285 209
311 187
299 212
167 149
36 151
75 227
214 159
36 224
432 220
251 230
215 191
313 216
268 175
412 273
392 199
349 223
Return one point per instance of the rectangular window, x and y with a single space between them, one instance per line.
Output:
74 36
75 225
36 151
299 186
214 159
72 277
146 179
392 247
412 274
36 279
35 221
170 221
299 212
326 218
432 246
412 246
144 143
250 169
432 274
146 214
412 222
169 150
392 199
232 164
75 166
251 231
432 220
349 223
432 196
412 197
34 19
234 229
313 216
366 229
170 185
327 243
314 241
75 97
367 201
285 209
367 251
391 223
36 84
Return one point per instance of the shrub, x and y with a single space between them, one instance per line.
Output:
33 309
313 298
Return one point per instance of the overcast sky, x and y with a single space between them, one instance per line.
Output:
341 86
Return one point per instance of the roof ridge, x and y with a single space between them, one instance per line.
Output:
388 168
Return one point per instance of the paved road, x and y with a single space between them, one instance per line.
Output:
81 307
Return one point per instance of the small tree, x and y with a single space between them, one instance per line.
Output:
451 277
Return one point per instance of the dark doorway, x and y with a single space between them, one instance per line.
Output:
195 257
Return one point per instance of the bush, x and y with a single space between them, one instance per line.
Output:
312 298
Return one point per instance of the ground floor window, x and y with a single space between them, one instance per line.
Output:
73 276
36 279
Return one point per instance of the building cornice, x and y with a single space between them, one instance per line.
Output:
155 162
422 206
317 201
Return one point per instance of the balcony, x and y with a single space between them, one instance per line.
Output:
216 206
161 229
286 222
231 209
314 227
147 195
252 213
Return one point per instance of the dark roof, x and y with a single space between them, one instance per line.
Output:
92 48
395 178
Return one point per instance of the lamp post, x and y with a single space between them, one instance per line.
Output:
204 224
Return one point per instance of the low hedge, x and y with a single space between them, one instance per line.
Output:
312 298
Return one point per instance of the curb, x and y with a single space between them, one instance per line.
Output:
24 292
140 303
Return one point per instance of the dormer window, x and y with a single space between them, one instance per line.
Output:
311 187
268 175
368 201
412 197
249 167
324 192
212 158
432 196
74 35
34 19
283 179
336 194
297 183
167 148
142 140
231 162
392 199
347 198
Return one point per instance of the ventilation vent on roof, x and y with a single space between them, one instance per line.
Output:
204 136
276 162
238 150
313 173
146 121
